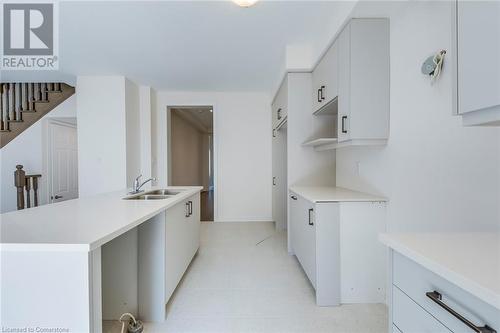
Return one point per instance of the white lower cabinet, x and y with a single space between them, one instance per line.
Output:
424 302
167 244
182 232
336 245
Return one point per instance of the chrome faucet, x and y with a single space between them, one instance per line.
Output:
138 185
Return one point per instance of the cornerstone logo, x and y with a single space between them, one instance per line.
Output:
30 32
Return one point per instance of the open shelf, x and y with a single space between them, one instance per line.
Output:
324 144
329 109
283 123
319 142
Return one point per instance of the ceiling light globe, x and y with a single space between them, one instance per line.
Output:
245 3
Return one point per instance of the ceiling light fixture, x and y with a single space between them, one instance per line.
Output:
245 3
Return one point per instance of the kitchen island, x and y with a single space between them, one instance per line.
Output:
52 272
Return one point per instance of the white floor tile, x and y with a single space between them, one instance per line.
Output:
243 280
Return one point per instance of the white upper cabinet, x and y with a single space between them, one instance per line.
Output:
477 61
351 82
364 69
280 105
325 79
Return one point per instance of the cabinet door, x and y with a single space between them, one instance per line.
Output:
279 179
305 248
176 235
193 225
478 51
344 84
325 78
294 220
280 104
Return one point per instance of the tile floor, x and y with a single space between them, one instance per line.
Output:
243 280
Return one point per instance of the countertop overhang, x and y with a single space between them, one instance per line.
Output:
318 194
82 224
470 260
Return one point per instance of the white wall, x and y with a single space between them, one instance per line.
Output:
133 132
437 174
27 149
242 143
109 139
187 152
145 108
102 134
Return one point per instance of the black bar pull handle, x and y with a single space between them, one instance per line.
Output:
322 91
190 207
279 113
274 180
310 219
438 299
187 209
319 95
344 118
274 133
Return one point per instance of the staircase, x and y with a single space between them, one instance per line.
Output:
22 104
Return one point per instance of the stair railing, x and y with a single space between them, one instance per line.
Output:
16 98
26 183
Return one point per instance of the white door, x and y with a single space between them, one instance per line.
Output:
63 162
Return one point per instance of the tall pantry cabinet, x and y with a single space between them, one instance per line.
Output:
294 164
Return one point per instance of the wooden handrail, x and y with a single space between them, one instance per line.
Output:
26 183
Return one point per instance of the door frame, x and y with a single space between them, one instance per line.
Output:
47 153
215 144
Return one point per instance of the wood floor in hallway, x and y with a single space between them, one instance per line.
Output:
207 206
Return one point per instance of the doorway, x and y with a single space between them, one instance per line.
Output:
192 153
62 159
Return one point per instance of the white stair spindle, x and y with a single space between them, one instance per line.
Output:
11 102
1 106
31 97
17 108
24 96
37 92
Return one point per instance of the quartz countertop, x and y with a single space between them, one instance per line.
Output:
469 260
333 194
81 224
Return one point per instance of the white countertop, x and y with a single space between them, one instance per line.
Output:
80 224
469 260
333 194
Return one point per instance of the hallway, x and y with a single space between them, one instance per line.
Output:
243 280
207 206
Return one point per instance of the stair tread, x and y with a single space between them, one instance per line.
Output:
30 116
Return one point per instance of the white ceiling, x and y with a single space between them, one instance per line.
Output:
187 45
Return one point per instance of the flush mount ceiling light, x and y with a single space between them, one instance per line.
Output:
245 3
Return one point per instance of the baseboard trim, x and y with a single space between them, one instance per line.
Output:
243 220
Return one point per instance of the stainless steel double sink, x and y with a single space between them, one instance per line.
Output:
154 195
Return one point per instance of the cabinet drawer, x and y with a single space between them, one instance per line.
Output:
409 317
415 281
